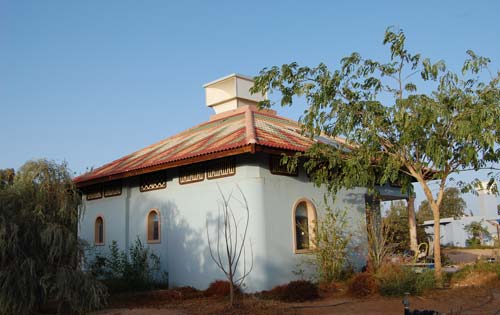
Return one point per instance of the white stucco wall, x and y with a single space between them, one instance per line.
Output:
280 195
184 210
453 231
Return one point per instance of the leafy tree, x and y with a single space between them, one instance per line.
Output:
477 232
396 221
6 177
40 252
452 206
393 132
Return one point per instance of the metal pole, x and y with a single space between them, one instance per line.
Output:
406 303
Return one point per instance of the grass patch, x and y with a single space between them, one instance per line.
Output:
396 280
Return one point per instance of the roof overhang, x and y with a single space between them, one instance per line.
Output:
250 148
191 160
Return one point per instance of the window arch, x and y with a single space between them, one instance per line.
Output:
153 226
304 225
99 231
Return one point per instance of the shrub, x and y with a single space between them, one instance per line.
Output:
395 280
425 281
220 288
479 267
363 284
139 270
331 244
295 291
300 290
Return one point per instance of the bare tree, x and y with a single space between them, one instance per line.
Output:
380 244
230 247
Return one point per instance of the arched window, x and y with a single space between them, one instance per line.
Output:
304 225
153 226
99 231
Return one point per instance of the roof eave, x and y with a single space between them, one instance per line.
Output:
249 148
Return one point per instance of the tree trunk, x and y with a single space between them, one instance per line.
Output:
412 223
437 243
231 292
437 231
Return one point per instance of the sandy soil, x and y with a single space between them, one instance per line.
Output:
464 301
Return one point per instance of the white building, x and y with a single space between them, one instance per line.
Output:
453 231
164 193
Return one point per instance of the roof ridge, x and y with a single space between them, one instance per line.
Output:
250 126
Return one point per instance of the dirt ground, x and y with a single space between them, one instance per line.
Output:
464 301
479 295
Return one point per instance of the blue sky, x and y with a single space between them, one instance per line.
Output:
90 81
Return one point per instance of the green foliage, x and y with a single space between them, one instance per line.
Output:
6 177
477 233
137 269
40 252
397 224
452 206
396 221
397 280
331 243
412 136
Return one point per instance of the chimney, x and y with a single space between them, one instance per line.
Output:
231 92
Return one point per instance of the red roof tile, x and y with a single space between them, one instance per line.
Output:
226 131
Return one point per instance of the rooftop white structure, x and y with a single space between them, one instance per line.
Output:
453 231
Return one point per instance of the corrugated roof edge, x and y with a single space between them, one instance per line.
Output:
249 145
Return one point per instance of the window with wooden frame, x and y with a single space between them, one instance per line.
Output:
99 231
113 189
304 226
94 192
221 168
153 181
153 228
278 168
191 174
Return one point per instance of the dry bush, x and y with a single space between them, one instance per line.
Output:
329 287
363 284
189 292
220 288
274 294
295 291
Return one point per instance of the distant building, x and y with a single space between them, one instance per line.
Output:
452 230
164 193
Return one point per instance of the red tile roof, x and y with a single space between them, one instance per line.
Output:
245 127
